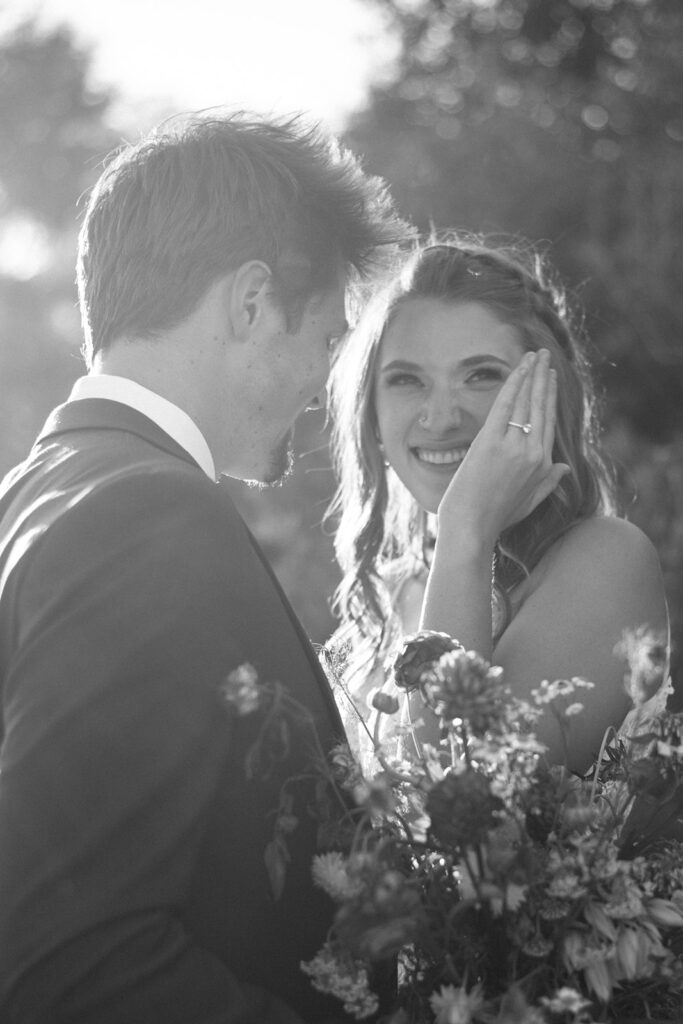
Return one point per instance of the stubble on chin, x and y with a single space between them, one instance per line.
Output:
281 466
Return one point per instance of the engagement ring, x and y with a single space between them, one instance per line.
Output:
525 427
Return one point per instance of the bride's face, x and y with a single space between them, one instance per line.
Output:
439 369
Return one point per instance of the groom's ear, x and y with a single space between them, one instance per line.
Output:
249 297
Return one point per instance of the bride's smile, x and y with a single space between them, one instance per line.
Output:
448 458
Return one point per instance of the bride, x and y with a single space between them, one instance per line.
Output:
473 499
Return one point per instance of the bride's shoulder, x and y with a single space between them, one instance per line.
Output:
608 559
600 578
600 541
601 555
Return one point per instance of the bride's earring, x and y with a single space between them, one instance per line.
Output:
384 458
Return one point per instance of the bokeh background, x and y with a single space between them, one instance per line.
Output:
559 121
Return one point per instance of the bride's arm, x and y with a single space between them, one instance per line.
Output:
505 475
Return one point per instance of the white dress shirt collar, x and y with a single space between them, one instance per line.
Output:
172 419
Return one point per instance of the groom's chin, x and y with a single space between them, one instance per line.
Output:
280 466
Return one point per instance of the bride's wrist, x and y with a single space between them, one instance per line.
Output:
464 546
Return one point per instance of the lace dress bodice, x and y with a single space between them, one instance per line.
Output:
356 691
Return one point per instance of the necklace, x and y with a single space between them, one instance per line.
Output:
500 603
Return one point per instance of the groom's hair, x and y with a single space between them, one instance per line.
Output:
202 195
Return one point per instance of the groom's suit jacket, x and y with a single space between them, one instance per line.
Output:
133 886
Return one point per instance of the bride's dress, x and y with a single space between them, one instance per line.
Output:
363 673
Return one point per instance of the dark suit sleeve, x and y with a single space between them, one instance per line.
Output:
115 737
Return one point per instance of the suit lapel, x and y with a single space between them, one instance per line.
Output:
105 414
306 645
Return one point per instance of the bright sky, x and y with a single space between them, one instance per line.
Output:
269 55
162 56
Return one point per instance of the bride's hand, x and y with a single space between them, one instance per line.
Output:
508 470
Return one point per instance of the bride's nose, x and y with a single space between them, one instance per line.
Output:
440 413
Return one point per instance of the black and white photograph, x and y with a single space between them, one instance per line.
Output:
341 512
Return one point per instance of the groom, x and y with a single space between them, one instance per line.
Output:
212 272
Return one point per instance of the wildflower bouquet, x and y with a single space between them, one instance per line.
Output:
508 891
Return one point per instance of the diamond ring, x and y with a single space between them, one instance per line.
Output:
524 427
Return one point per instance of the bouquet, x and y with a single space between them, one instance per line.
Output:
506 890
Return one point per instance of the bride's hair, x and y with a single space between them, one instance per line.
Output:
381 529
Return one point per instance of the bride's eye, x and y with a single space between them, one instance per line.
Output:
402 378
486 376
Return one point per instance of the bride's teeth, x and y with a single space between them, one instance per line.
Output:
441 458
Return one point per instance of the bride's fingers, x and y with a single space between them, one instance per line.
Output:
538 399
521 410
506 399
550 414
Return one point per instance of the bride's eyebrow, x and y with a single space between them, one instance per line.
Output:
399 364
476 360
469 361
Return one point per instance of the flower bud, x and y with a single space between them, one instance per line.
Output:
627 954
598 979
418 654
386 703
598 919
664 913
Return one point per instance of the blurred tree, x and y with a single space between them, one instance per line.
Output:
52 135
561 121
587 71
53 127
